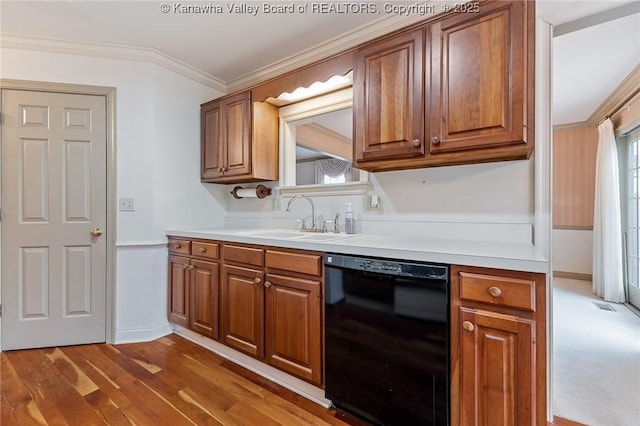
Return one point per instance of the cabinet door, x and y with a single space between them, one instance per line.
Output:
478 79
179 290
293 326
204 284
388 98
236 134
242 309
211 144
497 370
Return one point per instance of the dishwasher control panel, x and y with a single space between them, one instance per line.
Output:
388 266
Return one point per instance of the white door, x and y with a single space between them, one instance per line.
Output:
54 208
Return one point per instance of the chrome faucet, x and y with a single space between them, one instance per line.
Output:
313 208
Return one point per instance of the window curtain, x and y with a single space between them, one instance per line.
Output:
607 231
333 167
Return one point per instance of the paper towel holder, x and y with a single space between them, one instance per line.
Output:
261 191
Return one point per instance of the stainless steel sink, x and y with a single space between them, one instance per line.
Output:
323 237
275 234
284 234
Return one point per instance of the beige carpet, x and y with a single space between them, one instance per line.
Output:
596 354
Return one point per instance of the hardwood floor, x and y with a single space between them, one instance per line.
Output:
169 381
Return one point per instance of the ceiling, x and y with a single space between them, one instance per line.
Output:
591 57
230 46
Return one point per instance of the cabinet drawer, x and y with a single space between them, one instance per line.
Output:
179 246
501 291
248 255
201 249
310 264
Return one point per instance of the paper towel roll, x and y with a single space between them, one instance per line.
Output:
260 192
247 193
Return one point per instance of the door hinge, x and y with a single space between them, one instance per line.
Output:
0 310
1 215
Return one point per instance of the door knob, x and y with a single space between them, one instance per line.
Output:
96 232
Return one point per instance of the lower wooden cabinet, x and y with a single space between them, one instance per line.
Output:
179 290
498 347
204 298
497 356
242 309
293 325
271 307
223 294
194 286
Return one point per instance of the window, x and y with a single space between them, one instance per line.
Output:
632 229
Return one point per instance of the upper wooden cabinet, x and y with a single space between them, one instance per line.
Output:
388 98
239 140
461 86
479 80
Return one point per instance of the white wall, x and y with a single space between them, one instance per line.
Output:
573 251
453 201
158 154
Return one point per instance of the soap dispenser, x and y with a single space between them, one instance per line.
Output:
349 221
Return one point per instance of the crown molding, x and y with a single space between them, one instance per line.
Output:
625 91
576 125
112 51
333 46
339 44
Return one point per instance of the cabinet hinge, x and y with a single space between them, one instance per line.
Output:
1 215
0 310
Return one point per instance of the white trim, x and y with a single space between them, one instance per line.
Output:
125 245
336 45
347 188
543 179
143 334
294 384
113 51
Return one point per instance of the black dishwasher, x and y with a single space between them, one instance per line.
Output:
387 339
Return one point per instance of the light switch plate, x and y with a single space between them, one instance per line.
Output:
126 204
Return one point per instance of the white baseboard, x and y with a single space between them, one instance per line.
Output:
143 334
294 384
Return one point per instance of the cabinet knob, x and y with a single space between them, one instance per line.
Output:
416 143
468 326
495 291
267 284
190 267
202 249
178 246
435 140
257 280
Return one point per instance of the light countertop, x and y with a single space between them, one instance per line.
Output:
489 254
